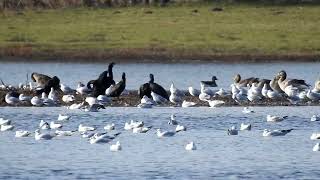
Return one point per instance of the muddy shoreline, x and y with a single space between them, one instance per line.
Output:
132 100
26 54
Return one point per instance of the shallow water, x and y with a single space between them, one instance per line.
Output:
183 75
144 156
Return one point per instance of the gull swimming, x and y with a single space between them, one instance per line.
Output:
277 132
315 136
83 128
180 128
316 147
6 127
64 133
232 131
76 106
21 133
141 129
271 118
4 121
191 146
109 127
315 118
42 136
164 133
54 125
246 110
116 147
244 127
102 138
172 120
63 117
44 125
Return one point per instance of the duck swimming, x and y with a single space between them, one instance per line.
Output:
211 83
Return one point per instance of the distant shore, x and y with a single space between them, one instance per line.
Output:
199 32
148 56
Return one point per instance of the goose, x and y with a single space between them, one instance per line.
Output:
54 125
244 127
83 128
175 99
193 92
164 133
119 87
315 136
316 147
36 101
191 146
141 129
186 104
284 82
109 127
144 105
156 88
5 121
215 103
54 83
104 81
82 89
21 133
116 147
44 125
109 90
12 98
102 138
23 97
243 83
180 128
271 118
76 106
157 98
315 118
172 120
6 127
42 136
211 83
313 96
40 79
232 131
146 100
246 110
94 108
64 133
68 98
53 95
103 99
277 132
222 93
66 89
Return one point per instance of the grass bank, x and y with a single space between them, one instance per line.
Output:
235 32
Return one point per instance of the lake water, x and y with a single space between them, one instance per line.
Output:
144 156
183 75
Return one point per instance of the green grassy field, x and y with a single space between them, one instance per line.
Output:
237 30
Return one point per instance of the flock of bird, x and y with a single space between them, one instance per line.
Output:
99 92
53 129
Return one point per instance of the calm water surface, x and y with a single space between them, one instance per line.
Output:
183 75
144 156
